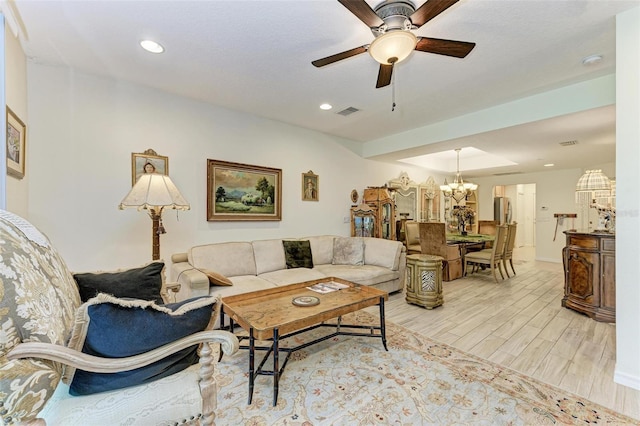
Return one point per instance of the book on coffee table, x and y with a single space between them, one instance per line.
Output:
327 287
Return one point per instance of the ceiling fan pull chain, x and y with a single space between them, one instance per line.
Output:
393 92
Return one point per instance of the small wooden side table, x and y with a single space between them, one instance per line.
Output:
424 280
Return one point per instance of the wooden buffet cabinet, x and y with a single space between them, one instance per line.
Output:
590 274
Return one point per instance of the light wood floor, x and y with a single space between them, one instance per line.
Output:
519 323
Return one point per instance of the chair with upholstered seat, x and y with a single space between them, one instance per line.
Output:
129 361
508 247
412 237
489 257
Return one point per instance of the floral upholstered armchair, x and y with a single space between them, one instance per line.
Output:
107 361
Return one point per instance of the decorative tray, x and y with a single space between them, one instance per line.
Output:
305 301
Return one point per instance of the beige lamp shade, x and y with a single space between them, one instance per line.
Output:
155 192
152 191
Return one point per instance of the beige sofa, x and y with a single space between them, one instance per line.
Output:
257 265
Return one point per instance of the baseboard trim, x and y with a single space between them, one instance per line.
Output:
627 380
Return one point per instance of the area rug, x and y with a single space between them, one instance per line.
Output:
353 381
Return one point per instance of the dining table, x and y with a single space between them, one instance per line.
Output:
455 238
466 242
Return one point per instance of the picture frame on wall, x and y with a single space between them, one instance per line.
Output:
148 162
310 189
243 192
16 145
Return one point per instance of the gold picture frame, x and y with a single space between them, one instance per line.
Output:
148 162
242 192
310 186
16 145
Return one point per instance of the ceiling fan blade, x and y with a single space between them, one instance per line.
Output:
430 10
458 49
339 56
363 12
384 75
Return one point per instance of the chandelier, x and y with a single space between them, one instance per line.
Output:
458 189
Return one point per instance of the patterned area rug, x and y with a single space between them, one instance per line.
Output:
354 381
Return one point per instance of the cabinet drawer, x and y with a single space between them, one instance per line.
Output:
583 242
608 244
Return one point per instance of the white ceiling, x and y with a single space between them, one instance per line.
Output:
255 56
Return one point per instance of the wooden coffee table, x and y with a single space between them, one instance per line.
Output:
270 315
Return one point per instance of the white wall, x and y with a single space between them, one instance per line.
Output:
84 129
16 98
628 200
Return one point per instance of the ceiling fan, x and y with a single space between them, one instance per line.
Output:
391 23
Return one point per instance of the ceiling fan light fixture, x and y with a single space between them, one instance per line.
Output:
393 46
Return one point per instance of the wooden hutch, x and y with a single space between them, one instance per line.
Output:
590 274
375 217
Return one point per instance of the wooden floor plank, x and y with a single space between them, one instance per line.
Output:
520 323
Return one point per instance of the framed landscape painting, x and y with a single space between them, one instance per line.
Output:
237 192
16 141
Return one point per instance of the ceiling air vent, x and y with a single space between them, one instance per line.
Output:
348 111
568 143
507 173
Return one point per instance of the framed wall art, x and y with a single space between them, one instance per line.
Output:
240 192
16 145
148 162
310 190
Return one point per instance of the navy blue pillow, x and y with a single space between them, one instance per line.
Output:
116 331
139 283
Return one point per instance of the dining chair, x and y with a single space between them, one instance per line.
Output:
488 227
508 248
412 237
489 257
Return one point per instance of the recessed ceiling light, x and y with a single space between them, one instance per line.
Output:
151 46
549 165
592 60
326 107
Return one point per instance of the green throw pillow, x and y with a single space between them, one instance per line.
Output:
297 254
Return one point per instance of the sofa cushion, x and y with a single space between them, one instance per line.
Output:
381 252
291 276
321 248
115 328
348 251
298 254
229 259
269 255
365 274
143 283
216 278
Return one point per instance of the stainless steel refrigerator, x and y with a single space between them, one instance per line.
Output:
502 210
